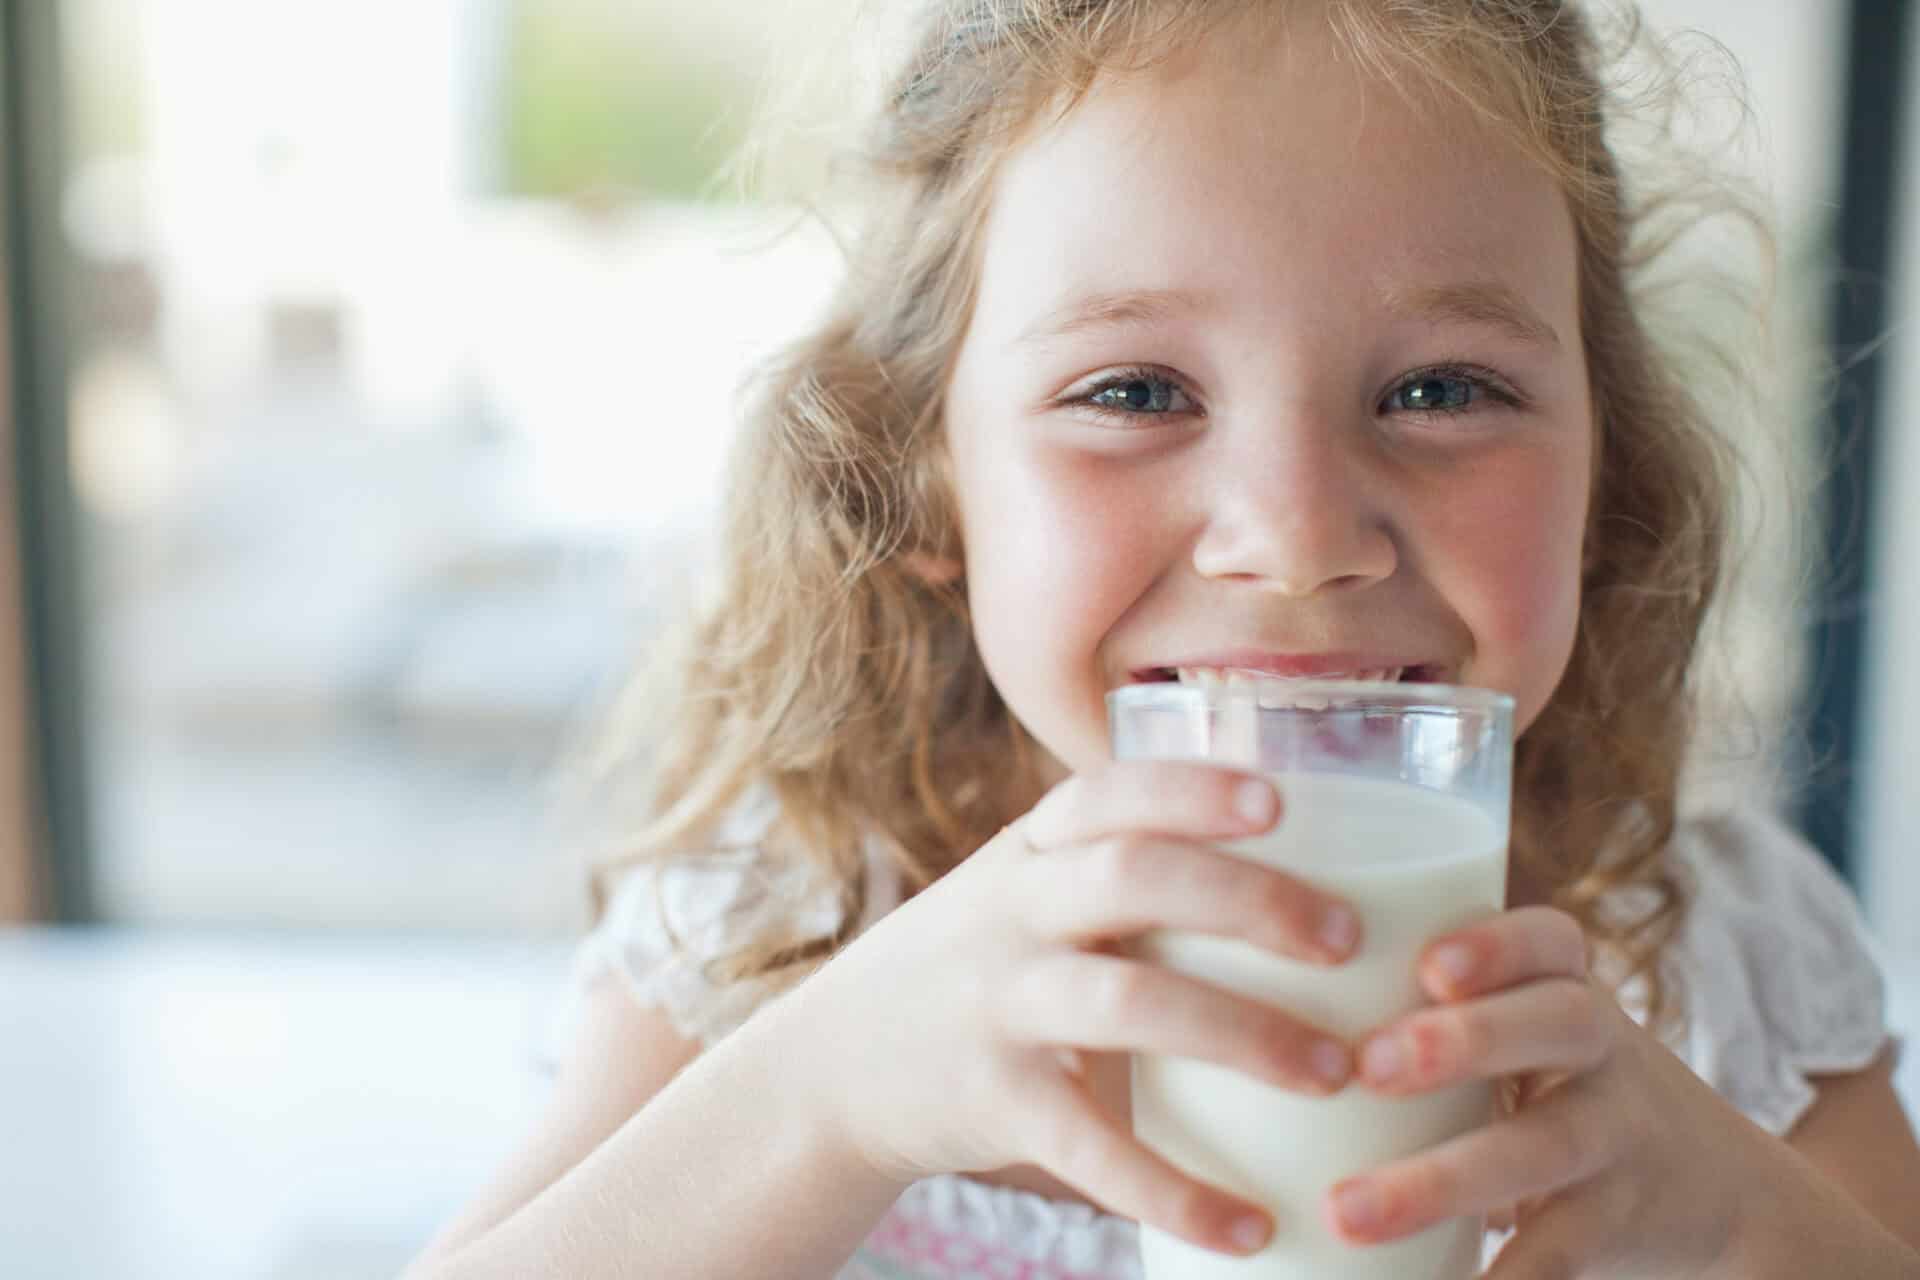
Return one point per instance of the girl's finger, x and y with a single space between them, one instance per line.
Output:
1566 1138
1561 1238
1130 884
1513 947
1171 798
1084 1147
1106 1003
1557 1025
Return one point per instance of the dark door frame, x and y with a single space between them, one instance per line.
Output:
1876 87
31 157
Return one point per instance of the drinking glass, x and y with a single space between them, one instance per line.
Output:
1396 797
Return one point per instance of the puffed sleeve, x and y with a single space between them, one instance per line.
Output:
1781 980
668 920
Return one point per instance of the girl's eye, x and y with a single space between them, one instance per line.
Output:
1435 393
1137 393
1446 390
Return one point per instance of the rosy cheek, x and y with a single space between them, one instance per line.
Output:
1516 562
1049 510
1059 547
1101 518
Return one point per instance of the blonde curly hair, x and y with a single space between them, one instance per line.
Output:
827 669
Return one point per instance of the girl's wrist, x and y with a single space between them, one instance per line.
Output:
810 1100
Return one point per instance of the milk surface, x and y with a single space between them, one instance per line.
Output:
1415 864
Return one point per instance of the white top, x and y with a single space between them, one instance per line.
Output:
1779 978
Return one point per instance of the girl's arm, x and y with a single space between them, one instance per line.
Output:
621 1056
937 1041
713 1168
1858 1135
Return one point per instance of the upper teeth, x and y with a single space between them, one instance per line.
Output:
1211 677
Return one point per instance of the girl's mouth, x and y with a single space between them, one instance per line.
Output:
1227 677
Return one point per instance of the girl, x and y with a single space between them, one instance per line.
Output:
1192 335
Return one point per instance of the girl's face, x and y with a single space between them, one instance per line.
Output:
1270 370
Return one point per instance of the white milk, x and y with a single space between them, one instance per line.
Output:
1415 864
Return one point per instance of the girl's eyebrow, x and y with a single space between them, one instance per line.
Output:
1482 302
1111 309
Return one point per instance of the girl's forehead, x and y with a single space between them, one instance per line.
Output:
1295 175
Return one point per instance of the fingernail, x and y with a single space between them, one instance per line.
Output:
1382 1059
1454 962
1339 931
1359 1207
1330 1062
1256 803
1251 1232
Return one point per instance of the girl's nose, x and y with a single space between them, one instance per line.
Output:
1300 515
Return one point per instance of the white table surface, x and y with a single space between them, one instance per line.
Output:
275 1107
282 1107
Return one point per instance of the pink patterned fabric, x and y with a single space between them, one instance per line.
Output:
937 1255
955 1228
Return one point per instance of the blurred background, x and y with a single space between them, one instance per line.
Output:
368 372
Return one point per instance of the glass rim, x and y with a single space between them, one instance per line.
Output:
1344 694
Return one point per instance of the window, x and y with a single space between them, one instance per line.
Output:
409 338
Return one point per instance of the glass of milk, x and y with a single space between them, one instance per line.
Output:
1396 798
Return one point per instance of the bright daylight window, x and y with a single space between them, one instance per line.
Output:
410 335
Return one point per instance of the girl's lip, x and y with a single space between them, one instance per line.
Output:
1294 666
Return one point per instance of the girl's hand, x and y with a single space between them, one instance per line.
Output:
1616 1160
948 1037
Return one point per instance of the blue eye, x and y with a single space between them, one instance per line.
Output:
1445 390
1436 392
1135 393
